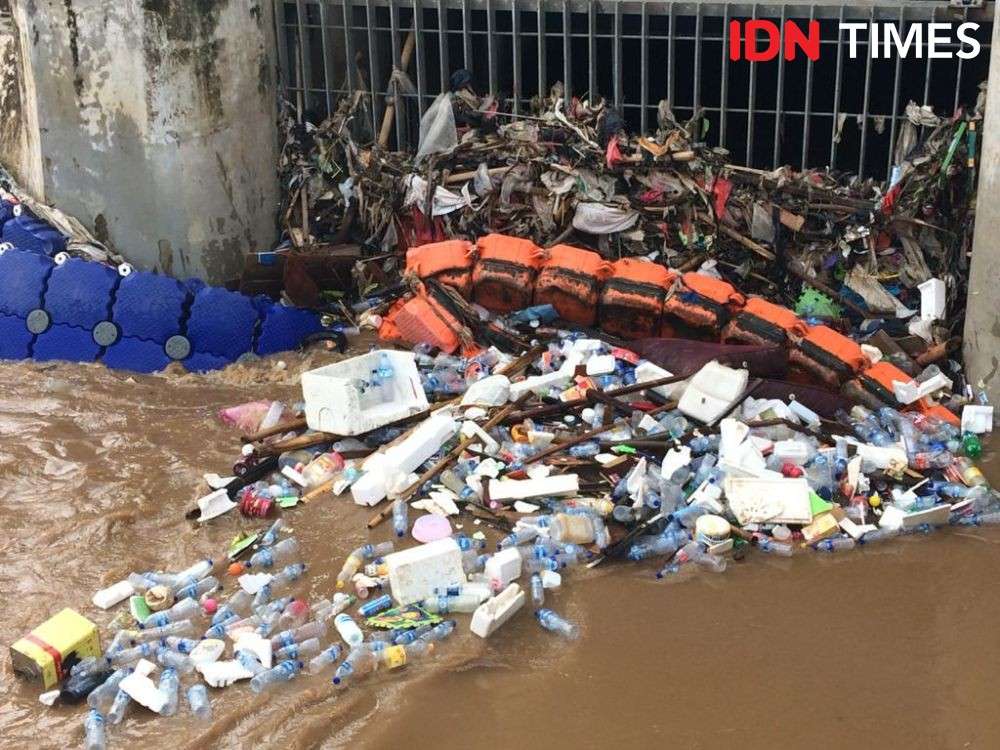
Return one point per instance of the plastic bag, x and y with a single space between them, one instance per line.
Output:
437 128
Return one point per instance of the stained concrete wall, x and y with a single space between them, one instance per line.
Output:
156 125
981 342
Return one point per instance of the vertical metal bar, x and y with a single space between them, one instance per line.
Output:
807 106
374 69
671 56
418 50
895 98
724 82
591 52
467 36
443 43
349 45
958 72
391 89
542 74
281 34
779 100
491 52
616 62
324 32
567 54
697 62
750 102
305 54
927 68
836 91
515 46
864 109
644 70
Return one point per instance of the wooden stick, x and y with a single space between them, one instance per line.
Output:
293 425
447 460
560 447
390 110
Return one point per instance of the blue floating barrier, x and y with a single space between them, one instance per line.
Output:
67 343
136 355
15 338
221 323
79 293
149 307
32 235
203 362
22 282
283 328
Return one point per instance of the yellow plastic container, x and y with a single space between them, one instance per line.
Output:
42 655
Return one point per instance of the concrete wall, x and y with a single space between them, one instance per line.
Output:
156 123
981 343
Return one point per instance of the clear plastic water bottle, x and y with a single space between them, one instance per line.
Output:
879 535
771 547
284 672
196 589
269 537
219 629
303 632
520 535
358 557
129 655
400 517
666 543
104 694
249 661
466 543
553 622
170 686
118 707
537 590
536 565
348 630
93 727
587 449
170 658
267 557
141 581
324 658
185 609
359 661
308 647
409 636
178 628
238 604
197 696
440 631
837 544
445 604
181 645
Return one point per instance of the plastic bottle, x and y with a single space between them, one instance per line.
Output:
969 472
197 589
79 686
299 634
185 609
129 655
283 672
93 727
324 658
197 696
409 636
238 604
395 657
771 547
118 707
267 557
537 565
551 621
355 560
104 694
980 519
269 537
537 590
466 543
178 628
197 571
322 469
878 535
836 544
170 686
577 529
327 610
219 629
375 606
358 662
444 604
666 543
249 661
440 631
308 647
170 658
180 645
348 630
400 517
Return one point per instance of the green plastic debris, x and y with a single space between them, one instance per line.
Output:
817 504
402 618
139 609
812 303
624 449
288 501
241 542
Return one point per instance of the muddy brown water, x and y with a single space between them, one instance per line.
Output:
894 646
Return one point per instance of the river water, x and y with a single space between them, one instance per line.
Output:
894 645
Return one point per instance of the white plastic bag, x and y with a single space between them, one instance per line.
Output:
437 128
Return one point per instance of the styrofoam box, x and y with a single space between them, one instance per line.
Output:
335 402
414 573
712 390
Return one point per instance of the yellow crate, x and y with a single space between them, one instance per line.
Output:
42 655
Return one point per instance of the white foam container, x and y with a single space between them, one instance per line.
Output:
646 371
335 403
504 566
414 573
711 391
490 615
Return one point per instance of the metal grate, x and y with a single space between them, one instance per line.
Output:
836 111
